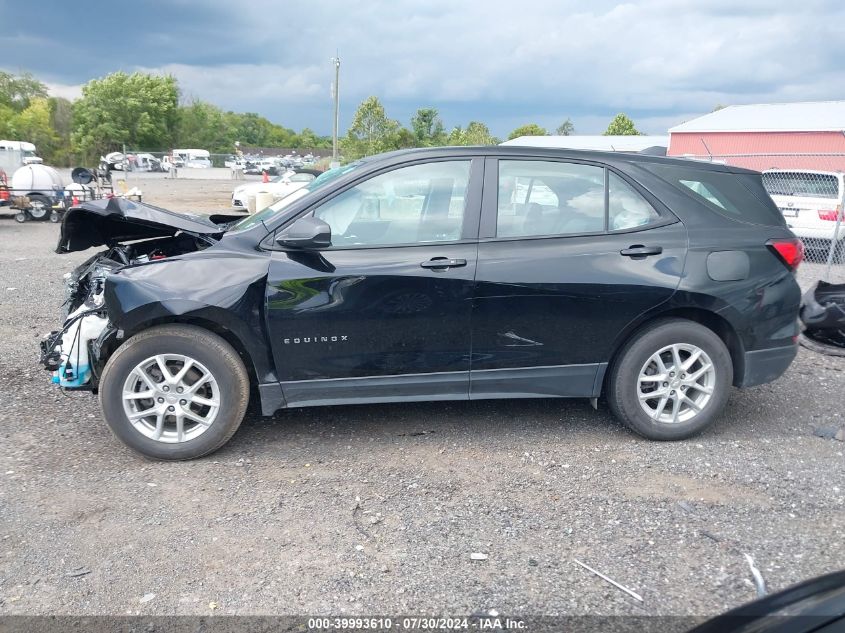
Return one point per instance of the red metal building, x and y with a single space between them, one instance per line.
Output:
807 135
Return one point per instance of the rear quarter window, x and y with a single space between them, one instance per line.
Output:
738 196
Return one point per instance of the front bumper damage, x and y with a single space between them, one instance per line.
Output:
77 352
73 353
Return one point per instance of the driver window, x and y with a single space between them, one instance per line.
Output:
411 205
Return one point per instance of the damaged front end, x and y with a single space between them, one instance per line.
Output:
73 352
77 352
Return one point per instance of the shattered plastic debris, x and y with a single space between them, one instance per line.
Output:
823 313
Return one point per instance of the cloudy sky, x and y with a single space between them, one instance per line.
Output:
498 61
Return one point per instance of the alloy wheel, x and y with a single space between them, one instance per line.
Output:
171 398
676 383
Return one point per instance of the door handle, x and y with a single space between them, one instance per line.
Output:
443 262
638 250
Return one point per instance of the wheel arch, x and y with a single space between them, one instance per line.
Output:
709 319
220 330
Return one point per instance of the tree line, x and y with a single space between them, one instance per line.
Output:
143 112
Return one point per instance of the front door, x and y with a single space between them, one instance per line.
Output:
570 254
384 313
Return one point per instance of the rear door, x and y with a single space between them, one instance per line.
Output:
384 313
570 253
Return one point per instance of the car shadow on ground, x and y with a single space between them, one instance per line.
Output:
507 421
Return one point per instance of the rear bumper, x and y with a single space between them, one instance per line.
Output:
766 365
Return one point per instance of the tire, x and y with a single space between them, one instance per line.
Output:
55 218
21 217
39 206
228 391
637 359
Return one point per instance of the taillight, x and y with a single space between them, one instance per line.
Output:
830 216
4 194
790 251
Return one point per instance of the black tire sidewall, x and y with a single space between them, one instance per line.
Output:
623 386
44 200
203 346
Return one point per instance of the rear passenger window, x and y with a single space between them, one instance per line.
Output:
549 198
627 208
555 198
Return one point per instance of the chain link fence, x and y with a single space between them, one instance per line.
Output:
809 190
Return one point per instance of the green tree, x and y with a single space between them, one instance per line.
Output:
7 116
476 133
138 110
33 124
308 139
566 128
428 128
404 139
371 131
17 92
61 120
529 129
205 126
621 125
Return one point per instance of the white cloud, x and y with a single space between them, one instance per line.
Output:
67 91
501 61
230 83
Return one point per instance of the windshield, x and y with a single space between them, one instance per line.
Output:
277 208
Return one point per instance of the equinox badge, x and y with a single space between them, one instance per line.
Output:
315 339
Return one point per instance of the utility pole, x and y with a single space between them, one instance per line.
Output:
336 126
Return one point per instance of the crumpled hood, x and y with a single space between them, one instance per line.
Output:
107 222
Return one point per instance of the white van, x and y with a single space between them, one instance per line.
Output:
26 150
193 158
810 201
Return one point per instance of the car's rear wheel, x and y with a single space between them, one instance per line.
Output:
174 392
671 380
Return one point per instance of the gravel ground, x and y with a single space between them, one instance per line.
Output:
376 509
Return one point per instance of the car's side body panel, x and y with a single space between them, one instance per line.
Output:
523 318
369 312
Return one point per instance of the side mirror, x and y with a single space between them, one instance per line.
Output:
308 232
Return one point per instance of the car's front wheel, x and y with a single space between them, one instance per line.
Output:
174 392
671 380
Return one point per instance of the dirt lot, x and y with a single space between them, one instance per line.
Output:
376 509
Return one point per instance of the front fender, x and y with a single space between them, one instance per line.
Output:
225 292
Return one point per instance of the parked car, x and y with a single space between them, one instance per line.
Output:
144 162
810 202
435 274
279 186
260 166
193 158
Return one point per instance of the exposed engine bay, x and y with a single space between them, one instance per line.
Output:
135 234
75 352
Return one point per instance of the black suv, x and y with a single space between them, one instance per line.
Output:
435 274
